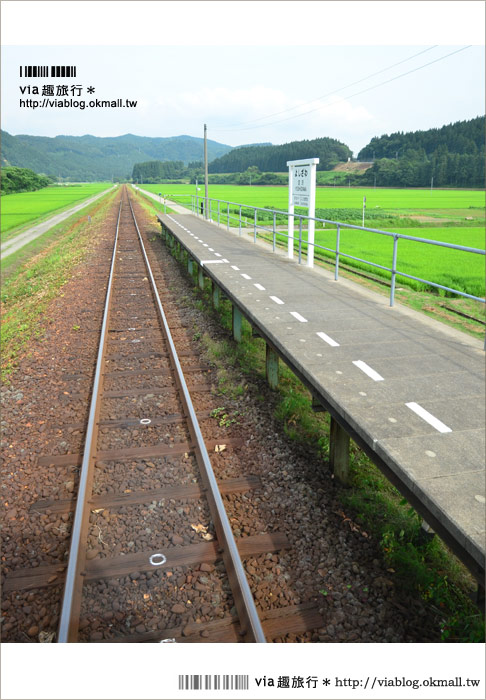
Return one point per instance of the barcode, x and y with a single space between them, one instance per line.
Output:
208 682
43 71
34 71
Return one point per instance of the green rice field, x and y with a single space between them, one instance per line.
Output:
450 268
453 216
337 197
23 208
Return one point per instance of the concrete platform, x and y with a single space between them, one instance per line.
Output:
407 389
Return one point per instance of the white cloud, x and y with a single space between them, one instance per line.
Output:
234 115
224 106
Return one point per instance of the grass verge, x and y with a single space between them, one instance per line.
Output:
420 566
150 204
32 279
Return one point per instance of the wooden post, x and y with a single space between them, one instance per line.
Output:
237 319
339 452
216 295
271 367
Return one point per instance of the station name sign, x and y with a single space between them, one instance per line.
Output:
301 186
302 193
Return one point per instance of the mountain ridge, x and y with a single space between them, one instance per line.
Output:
90 157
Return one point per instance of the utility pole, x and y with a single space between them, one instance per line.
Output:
206 209
431 184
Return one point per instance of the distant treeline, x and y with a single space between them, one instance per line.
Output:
453 155
22 180
153 171
274 158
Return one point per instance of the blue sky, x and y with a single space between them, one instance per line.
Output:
237 88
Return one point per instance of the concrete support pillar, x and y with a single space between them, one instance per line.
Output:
216 294
426 532
271 367
317 406
478 596
190 265
200 278
237 321
339 452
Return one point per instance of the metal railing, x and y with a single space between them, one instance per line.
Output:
216 209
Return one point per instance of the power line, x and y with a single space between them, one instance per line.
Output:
343 99
327 94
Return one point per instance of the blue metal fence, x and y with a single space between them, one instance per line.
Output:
212 208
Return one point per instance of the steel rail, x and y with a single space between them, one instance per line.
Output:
252 630
71 604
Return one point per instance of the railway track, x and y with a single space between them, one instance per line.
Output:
150 533
125 306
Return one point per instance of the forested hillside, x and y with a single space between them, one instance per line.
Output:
89 158
454 156
22 180
156 170
274 158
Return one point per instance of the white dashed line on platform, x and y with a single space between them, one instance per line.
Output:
428 417
233 267
328 340
277 300
368 370
296 315
247 277
260 287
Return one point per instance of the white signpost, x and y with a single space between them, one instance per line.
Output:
302 193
